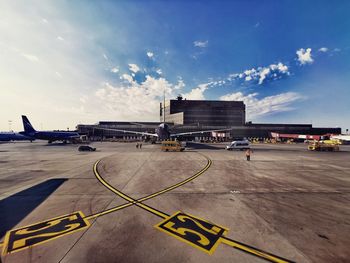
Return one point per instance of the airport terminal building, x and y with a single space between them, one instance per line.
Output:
203 112
198 115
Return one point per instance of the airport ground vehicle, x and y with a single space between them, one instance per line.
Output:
333 141
86 148
320 146
172 146
341 138
238 145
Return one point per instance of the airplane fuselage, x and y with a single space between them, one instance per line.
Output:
50 136
14 136
163 131
53 135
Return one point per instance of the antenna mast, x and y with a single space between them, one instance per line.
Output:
164 106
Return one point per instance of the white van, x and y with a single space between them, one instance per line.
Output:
238 145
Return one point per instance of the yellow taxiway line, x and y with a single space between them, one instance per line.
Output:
213 234
138 201
232 243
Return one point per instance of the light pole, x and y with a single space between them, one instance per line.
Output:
10 125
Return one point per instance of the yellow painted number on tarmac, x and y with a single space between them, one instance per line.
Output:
182 231
41 232
22 242
214 230
192 230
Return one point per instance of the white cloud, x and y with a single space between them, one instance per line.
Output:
44 20
233 76
83 99
127 77
257 107
180 84
249 71
105 56
260 74
197 93
59 75
126 102
150 54
134 68
159 71
30 57
304 56
239 96
60 38
323 49
201 44
280 67
114 70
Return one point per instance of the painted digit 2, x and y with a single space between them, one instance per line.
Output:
33 235
22 242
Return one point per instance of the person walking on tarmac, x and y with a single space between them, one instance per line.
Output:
140 145
248 152
137 145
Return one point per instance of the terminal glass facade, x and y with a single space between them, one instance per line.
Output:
204 112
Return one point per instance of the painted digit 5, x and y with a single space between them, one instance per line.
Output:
182 231
214 230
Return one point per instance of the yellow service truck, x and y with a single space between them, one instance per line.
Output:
320 146
172 146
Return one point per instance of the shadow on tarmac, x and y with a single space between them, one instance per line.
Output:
16 207
60 144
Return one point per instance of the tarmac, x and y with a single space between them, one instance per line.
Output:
206 204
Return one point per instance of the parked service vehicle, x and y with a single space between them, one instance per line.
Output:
321 146
172 146
86 148
238 145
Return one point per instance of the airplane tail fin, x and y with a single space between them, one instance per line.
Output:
28 128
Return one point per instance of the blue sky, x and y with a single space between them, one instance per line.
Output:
69 62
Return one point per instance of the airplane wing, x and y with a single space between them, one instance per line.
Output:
74 136
126 131
193 132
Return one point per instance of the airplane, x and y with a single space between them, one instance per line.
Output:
50 136
14 136
162 132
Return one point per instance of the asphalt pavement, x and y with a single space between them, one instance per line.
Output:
206 204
